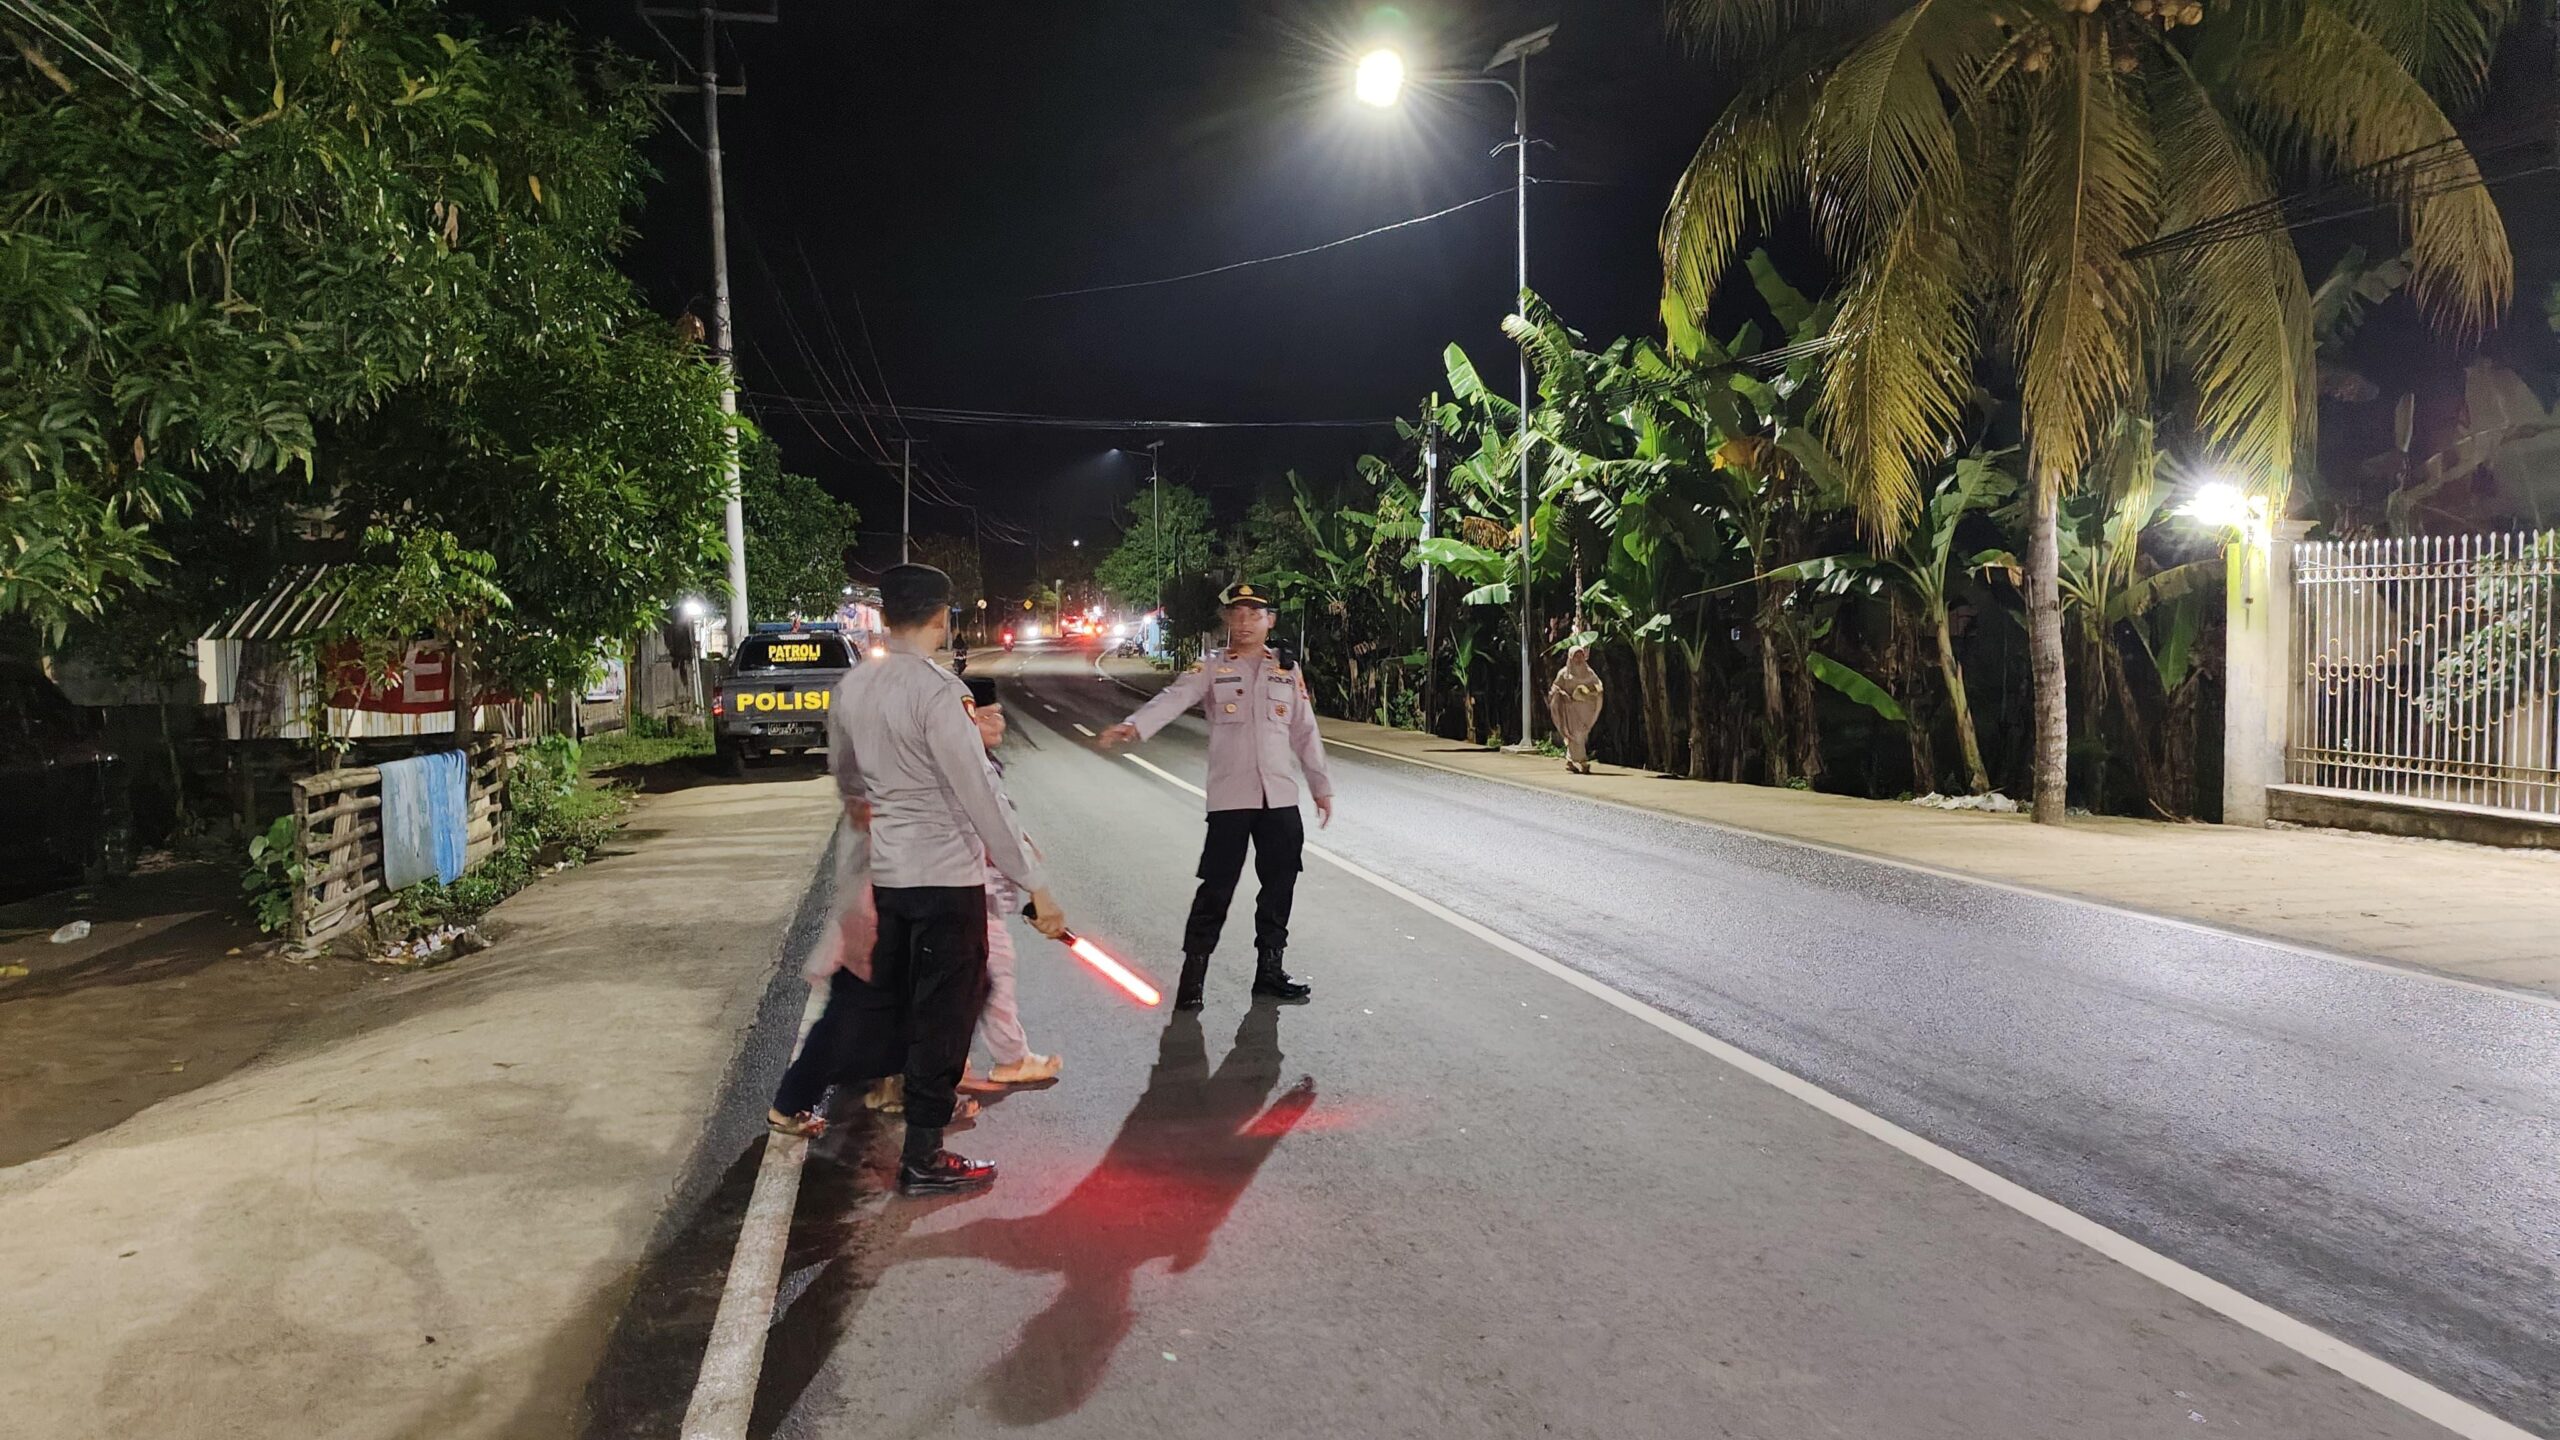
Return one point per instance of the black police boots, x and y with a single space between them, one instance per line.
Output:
1269 979
1195 973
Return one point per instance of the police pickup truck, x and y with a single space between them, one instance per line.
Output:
776 695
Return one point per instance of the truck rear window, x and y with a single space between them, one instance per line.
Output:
795 652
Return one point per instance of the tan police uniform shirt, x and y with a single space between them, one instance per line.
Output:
900 737
1261 720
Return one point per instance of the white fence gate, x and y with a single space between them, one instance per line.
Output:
2430 667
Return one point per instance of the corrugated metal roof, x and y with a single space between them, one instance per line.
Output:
298 603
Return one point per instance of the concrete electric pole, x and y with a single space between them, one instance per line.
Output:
707 81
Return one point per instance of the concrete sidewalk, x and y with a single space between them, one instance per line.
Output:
419 1214
2483 914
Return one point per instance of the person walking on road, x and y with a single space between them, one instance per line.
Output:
1261 719
903 745
1001 1025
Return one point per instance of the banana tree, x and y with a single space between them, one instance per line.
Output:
1922 568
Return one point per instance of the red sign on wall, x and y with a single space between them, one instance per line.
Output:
420 682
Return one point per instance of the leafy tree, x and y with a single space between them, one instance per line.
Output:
1153 552
1922 568
1984 171
957 557
345 270
797 536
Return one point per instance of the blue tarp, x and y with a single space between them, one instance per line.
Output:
423 824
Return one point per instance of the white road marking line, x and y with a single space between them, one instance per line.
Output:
1045 705
2374 1373
724 1390
2271 942
1081 730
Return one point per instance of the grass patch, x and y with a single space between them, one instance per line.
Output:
643 746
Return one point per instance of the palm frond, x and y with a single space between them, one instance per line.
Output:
2445 44
1883 132
2239 314
1750 165
2086 193
2340 96
1726 25
1894 388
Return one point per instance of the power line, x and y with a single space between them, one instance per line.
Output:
116 68
2418 173
1274 259
939 415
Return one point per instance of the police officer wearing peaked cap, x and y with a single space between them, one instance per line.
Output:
912 769
1262 729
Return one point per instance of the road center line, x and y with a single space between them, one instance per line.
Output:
1081 730
2374 1373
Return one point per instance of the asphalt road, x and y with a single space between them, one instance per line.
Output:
1457 1196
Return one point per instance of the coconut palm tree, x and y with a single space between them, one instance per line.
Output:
2089 186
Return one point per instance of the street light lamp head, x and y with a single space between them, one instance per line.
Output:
1379 79
692 609
2221 505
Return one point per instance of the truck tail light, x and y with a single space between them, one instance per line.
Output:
718 701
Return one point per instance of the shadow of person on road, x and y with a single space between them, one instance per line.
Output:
1180 1162
1183 1157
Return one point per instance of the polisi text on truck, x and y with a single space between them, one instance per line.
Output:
783 700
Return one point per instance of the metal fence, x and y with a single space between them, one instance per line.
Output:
2430 669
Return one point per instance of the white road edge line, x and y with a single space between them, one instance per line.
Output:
2374 1373
1081 730
724 1390
2251 937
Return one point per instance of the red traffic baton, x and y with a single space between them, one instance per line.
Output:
1135 985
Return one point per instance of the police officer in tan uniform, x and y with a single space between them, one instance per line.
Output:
1262 730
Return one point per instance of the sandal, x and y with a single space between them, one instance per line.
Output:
807 1125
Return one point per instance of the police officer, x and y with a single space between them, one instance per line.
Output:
1260 719
910 764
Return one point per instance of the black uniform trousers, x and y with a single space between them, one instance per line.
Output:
914 1016
1279 839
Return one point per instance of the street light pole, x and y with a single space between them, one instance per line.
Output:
1518 52
1520 216
1380 77
906 500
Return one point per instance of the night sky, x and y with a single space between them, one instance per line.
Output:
902 179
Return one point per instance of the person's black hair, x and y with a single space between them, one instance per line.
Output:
910 594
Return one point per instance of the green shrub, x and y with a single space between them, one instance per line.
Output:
275 872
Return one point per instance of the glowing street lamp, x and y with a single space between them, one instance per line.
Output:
1379 78
2221 505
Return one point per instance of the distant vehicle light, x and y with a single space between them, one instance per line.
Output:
879 652
1030 632
1119 632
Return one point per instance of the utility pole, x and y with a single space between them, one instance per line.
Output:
907 501
1430 503
707 80
1155 481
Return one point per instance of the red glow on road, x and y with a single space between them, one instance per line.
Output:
1117 973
